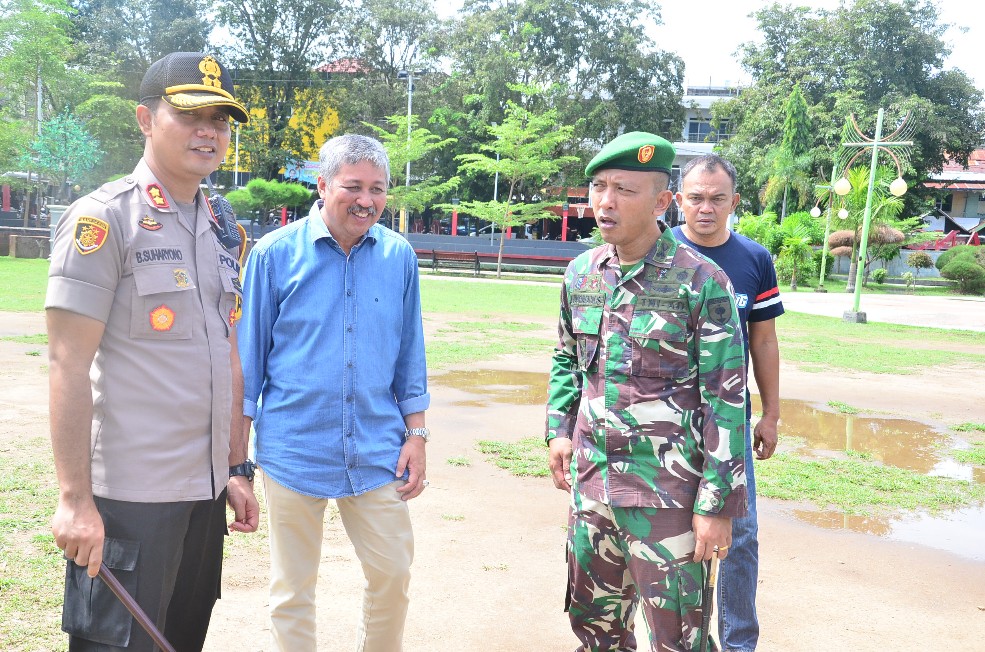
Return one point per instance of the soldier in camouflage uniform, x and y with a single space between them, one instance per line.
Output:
646 411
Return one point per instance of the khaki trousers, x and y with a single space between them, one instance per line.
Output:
378 525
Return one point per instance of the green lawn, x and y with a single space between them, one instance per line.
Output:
23 282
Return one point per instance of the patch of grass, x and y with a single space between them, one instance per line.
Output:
525 458
844 408
33 569
468 298
820 343
40 338
968 426
24 281
33 353
442 353
858 485
975 455
459 461
510 326
453 517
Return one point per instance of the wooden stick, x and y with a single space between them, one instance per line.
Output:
134 608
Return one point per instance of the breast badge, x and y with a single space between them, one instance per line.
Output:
161 318
181 279
90 234
149 223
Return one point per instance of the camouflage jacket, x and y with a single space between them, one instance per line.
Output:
648 381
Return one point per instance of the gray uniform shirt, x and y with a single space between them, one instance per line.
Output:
165 288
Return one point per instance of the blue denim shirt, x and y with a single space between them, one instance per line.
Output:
332 348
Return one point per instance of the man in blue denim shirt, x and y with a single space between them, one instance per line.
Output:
332 346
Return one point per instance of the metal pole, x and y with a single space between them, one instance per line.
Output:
410 102
863 246
492 225
236 182
827 226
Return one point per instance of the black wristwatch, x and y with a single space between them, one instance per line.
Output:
247 469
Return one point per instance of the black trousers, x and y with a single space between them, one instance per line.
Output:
169 558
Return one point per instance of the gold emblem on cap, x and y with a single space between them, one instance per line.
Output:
212 71
645 153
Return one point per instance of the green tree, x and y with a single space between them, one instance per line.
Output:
789 164
860 56
110 119
420 150
275 49
119 39
524 154
920 260
261 197
761 228
795 248
63 149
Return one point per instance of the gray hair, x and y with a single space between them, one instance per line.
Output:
709 163
350 150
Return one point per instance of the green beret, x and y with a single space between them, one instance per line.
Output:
636 150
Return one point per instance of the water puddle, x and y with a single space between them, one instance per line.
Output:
496 386
898 442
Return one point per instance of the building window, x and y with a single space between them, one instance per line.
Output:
700 131
944 203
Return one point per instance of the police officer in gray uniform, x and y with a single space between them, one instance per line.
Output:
146 386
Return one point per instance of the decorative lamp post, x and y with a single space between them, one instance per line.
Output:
409 76
876 144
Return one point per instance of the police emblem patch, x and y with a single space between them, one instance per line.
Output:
645 153
161 318
181 278
90 234
157 197
719 310
149 223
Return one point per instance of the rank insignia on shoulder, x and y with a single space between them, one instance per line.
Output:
161 318
181 278
156 195
149 223
90 234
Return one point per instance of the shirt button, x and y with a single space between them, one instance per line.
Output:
348 293
350 398
348 434
350 364
349 328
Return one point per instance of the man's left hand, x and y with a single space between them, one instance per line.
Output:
242 500
413 458
764 437
709 532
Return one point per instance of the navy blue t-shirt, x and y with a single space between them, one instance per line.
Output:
750 268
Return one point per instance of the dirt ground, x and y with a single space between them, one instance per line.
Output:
489 570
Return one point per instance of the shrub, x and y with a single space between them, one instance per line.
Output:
920 260
806 272
953 253
827 267
969 274
879 275
908 278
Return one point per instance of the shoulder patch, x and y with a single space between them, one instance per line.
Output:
719 310
90 234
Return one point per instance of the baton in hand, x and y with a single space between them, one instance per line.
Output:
709 600
134 609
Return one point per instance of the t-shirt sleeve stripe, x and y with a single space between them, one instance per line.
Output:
772 292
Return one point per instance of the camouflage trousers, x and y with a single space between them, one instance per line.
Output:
619 557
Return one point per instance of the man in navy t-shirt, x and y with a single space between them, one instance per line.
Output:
707 198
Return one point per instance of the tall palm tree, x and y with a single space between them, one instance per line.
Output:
795 248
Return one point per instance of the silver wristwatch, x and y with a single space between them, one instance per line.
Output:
423 433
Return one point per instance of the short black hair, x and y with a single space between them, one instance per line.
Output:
710 163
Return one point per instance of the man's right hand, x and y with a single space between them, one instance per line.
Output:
78 530
559 460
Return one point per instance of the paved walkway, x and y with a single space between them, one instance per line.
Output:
963 313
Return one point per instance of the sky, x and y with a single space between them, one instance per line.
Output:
707 34
708 45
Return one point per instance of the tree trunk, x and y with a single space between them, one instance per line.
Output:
793 279
852 269
783 209
499 259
